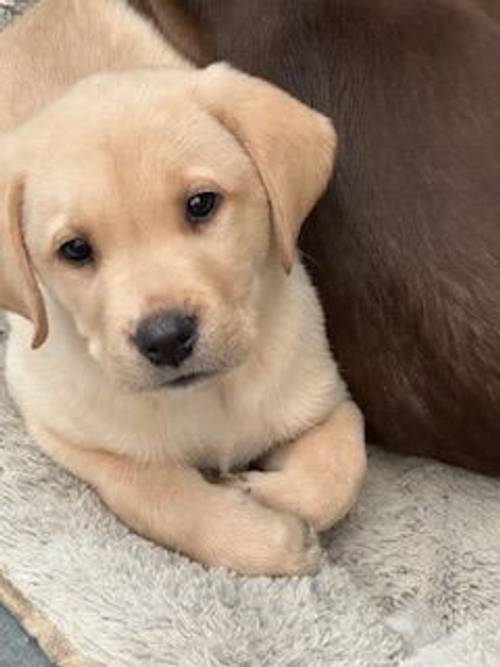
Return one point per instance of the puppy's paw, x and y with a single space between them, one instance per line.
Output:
275 489
237 480
288 491
255 540
295 546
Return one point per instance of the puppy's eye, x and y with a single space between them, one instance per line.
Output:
76 251
201 206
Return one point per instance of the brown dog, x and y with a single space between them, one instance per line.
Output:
405 247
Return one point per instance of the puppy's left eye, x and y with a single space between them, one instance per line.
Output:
77 251
201 206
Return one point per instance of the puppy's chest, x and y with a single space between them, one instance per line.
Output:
216 433
205 430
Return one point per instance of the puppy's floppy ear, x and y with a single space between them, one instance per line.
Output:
291 145
19 291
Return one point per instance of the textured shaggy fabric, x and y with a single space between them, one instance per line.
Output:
9 8
412 577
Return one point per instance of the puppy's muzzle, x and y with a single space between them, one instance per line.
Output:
168 338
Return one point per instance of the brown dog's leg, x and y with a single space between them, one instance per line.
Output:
318 476
177 507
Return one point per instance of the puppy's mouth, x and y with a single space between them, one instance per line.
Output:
188 380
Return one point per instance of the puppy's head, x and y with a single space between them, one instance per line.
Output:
152 209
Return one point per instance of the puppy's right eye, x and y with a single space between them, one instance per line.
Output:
201 206
77 251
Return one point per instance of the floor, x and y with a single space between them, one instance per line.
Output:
16 648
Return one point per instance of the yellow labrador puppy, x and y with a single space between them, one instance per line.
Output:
161 323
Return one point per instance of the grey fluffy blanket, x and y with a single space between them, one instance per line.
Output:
412 577
9 8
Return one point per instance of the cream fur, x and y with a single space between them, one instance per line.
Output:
280 392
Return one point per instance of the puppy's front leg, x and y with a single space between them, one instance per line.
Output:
318 476
177 507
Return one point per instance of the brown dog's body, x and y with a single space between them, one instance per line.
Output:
405 247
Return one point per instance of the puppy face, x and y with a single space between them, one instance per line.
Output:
148 221
151 228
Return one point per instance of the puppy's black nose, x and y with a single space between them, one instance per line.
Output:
167 339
